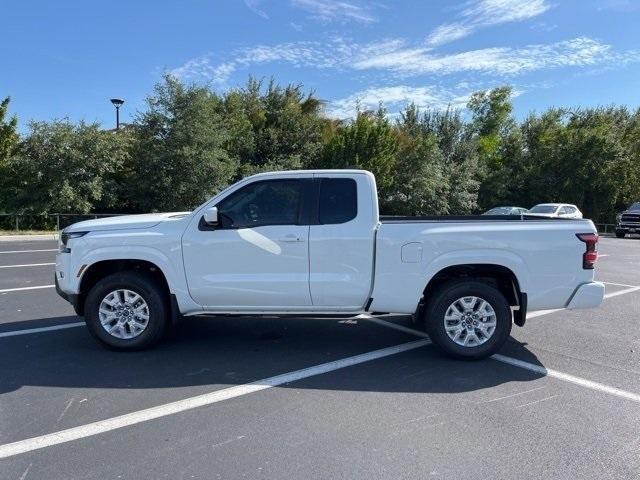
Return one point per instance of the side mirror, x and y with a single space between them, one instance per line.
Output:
211 215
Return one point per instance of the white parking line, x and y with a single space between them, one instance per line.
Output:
27 265
133 418
621 292
583 382
20 289
29 251
621 284
14 333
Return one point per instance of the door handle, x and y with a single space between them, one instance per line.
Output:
291 238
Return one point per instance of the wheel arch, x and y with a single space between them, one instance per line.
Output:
93 273
502 277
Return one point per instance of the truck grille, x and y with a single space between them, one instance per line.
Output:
630 218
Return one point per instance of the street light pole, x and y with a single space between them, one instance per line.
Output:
117 102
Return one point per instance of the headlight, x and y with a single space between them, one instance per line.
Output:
65 237
618 217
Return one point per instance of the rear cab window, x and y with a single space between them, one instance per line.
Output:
338 200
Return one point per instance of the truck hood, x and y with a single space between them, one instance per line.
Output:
122 222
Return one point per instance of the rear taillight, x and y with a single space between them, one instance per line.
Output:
590 256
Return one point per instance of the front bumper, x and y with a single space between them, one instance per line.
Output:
628 227
587 295
72 298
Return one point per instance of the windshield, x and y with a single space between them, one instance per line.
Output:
498 211
635 206
543 209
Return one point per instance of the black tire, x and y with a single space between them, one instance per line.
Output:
445 296
620 234
152 293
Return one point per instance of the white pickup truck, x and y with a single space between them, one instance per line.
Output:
312 242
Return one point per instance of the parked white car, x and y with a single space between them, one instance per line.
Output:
312 242
557 210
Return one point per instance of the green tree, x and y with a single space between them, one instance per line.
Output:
420 185
369 142
179 156
461 169
60 167
275 129
494 132
8 131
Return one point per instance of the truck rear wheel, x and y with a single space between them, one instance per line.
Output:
127 311
468 319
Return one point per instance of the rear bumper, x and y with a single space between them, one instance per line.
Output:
587 295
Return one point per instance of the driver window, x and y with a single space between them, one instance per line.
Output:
270 202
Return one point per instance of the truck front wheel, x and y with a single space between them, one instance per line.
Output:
127 311
620 233
468 319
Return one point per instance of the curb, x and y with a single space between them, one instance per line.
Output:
22 238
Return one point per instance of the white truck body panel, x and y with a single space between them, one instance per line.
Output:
361 265
544 256
342 255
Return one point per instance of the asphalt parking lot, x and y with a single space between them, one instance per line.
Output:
317 398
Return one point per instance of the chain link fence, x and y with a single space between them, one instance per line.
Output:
47 222
606 227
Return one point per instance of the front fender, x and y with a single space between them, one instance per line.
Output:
171 266
147 254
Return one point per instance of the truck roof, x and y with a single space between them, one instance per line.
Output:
352 171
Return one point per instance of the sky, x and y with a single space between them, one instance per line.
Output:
68 58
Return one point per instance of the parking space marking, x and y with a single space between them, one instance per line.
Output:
537 401
583 382
133 418
27 265
20 289
547 372
621 292
29 251
512 395
15 333
621 285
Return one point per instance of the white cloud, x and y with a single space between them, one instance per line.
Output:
502 61
448 32
484 13
200 69
401 59
332 10
493 12
254 6
395 98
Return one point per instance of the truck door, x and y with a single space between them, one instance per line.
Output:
257 257
341 243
